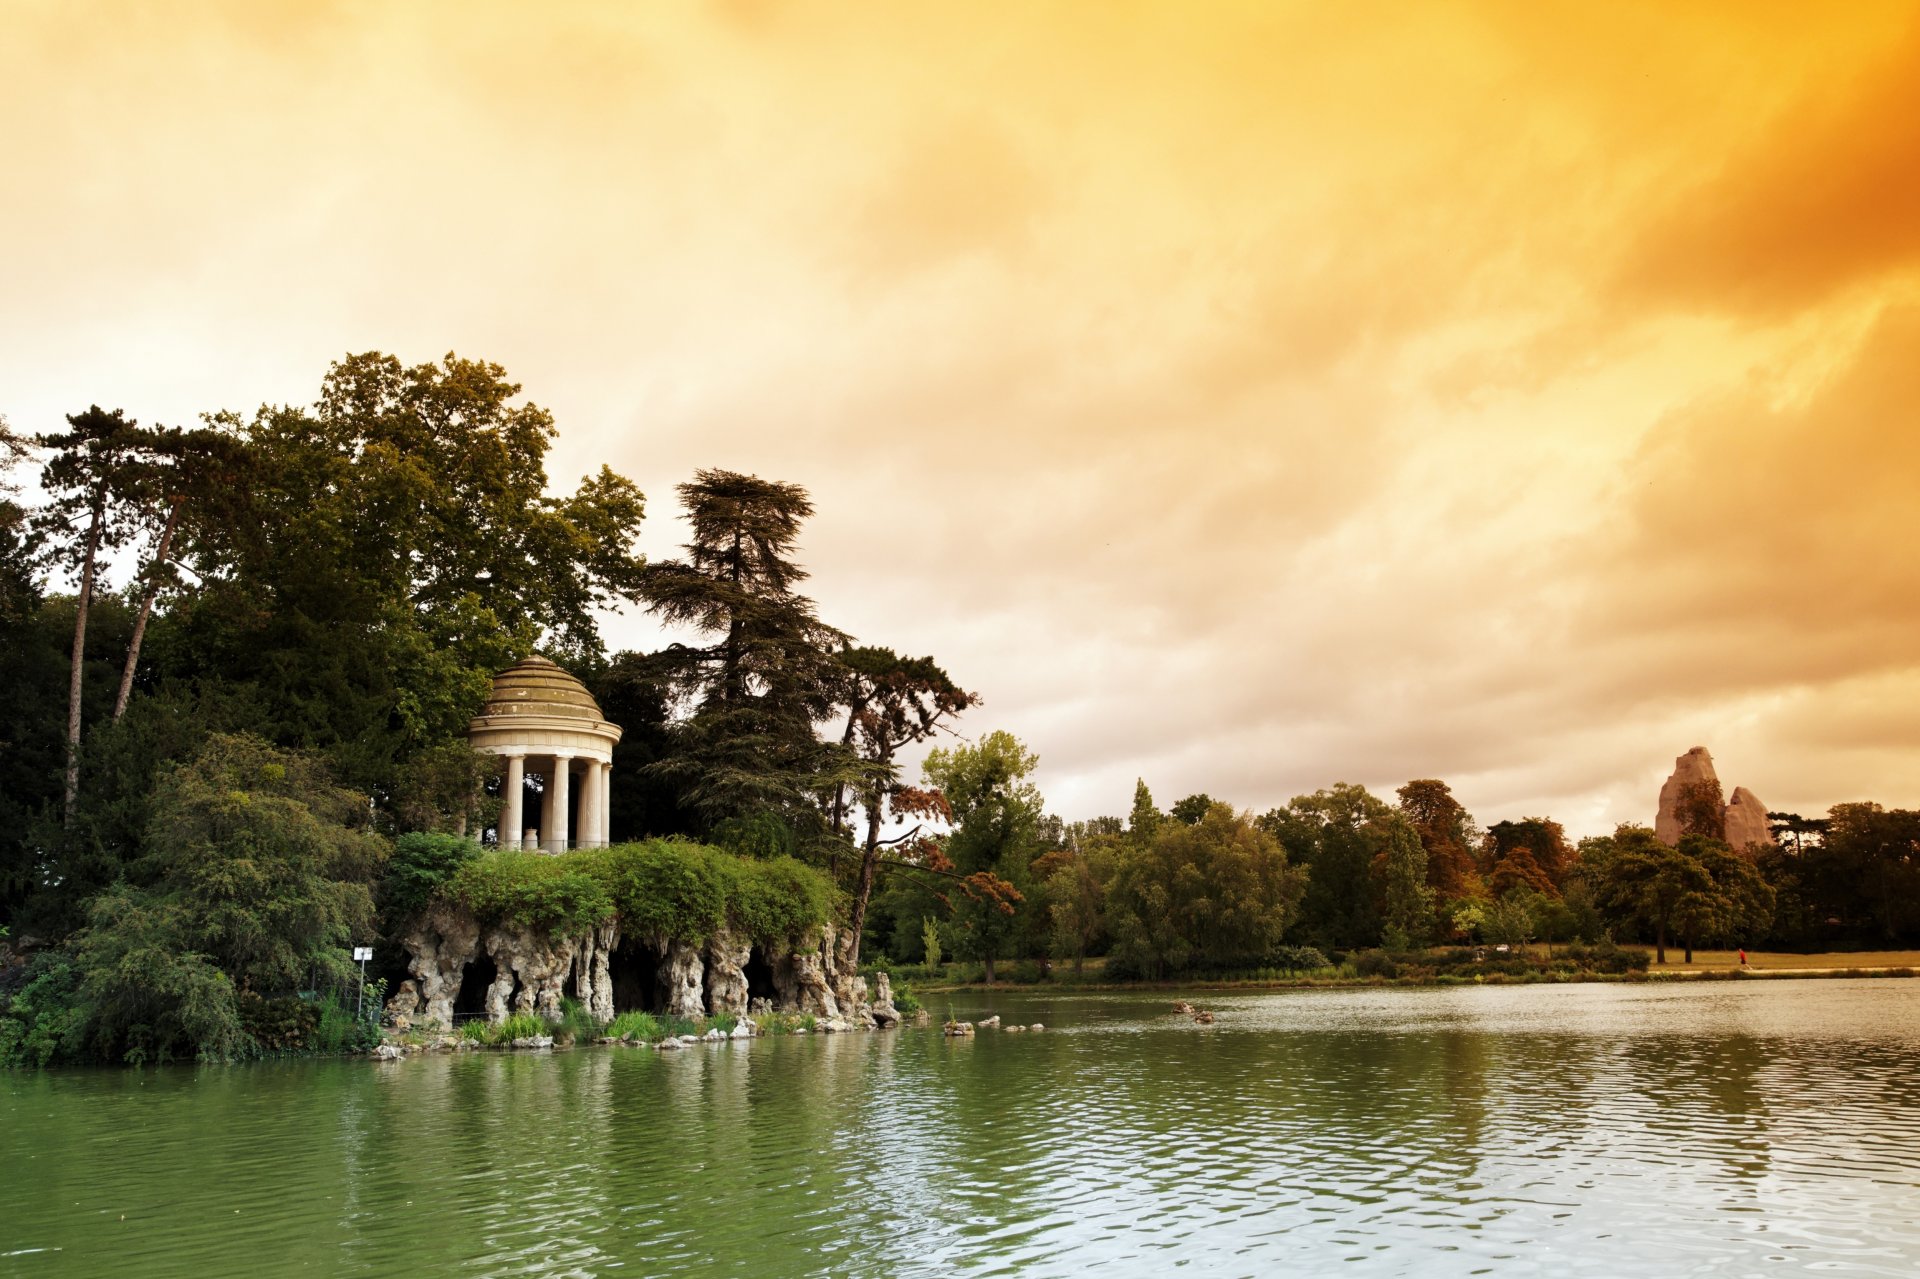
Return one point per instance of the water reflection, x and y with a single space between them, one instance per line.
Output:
1736 1128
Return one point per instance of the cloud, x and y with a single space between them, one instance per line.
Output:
1824 196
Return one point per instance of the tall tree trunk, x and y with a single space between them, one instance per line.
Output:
1660 941
989 968
869 862
146 608
80 657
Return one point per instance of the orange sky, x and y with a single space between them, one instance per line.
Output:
1249 397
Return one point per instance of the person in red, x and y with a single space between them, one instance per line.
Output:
1743 956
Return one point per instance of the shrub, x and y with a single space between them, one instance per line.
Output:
421 865
283 1025
905 1000
337 1030
1296 959
44 1021
530 890
1374 963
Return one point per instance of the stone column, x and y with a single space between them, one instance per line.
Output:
514 791
589 836
556 832
607 801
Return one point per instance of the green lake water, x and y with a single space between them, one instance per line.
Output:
1719 1129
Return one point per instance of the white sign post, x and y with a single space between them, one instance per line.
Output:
361 954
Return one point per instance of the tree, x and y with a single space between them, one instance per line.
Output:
1219 893
1446 832
89 469
1646 880
1702 810
1532 852
1075 894
1331 834
769 675
1144 820
996 812
19 592
1406 902
1867 871
894 702
1191 809
204 468
1734 902
395 546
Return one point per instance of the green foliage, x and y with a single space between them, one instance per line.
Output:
930 939
576 1024
518 1026
1406 910
337 1030
1219 894
45 1021
639 1025
421 865
771 901
904 998
1190 810
148 995
659 888
1332 834
1299 959
287 1023
263 862
530 890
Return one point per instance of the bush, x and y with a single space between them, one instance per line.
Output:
1299 959
337 1030
529 890
421 865
1374 963
44 1022
905 1000
283 1025
659 888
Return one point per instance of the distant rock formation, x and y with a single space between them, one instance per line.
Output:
1747 821
1745 817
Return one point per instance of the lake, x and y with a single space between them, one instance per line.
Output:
1724 1128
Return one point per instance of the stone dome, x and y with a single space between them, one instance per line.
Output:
536 686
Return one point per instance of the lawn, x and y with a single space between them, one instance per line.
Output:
1781 960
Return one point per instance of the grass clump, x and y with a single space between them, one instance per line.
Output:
636 1025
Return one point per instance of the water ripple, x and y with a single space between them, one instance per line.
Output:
1726 1130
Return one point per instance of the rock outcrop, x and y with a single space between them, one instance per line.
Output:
1695 768
440 946
727 974
811 994
684 973
884 1014
1747 821
1744 817
534 970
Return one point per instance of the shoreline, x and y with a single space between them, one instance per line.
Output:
1888 971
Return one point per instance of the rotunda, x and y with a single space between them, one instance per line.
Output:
542 721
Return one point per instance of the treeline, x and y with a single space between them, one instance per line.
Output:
1202 888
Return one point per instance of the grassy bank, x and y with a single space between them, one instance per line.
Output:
1531 965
